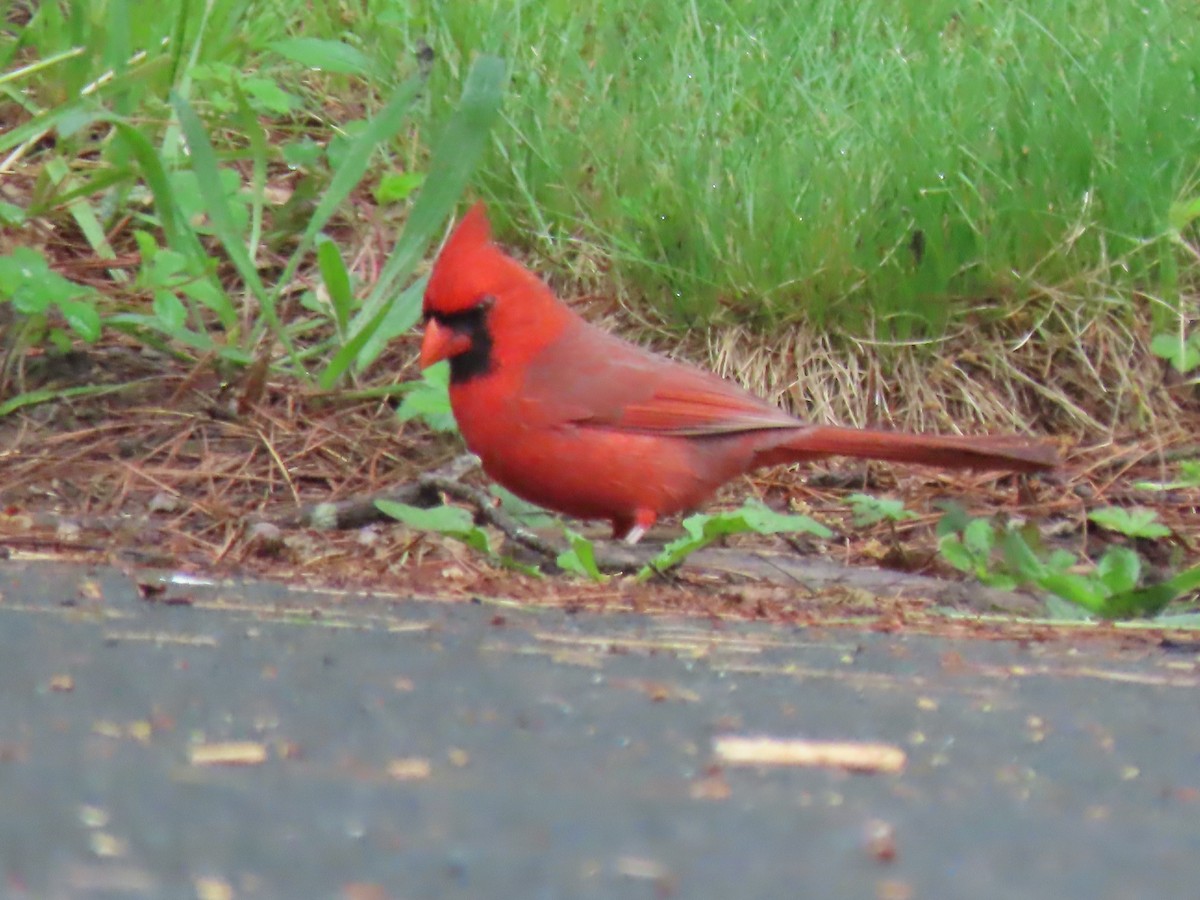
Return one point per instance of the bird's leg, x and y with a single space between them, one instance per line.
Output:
642 520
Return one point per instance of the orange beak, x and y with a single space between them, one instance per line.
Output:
441 343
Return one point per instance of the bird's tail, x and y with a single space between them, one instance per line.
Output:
1004 453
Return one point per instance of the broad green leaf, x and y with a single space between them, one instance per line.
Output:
952 549
979 537
1185 581
170 311
1079 589
452 521
11 214
1020 557
764 520
324 54
580 557
1145 602
528 514
954 520
268 97
1119 570
396 186
83 318
429 400
1182 353
1137 522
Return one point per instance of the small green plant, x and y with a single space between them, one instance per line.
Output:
457 523
452 521
1181 348
704 528
1112 588
35 292
867 510
428 400
580 557
1134 523
1182 351
160 129
973 550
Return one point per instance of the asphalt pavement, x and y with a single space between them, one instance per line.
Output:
250 740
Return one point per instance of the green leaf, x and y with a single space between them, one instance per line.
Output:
268 97
1060 560
954 551
1181 214
10 214
1189 477
216 204
1145 602
170 311
979 537
394 187
1076 588
1137 522
337 282
48 395
452 521
955 517
1182 353
1119 569
429 400
178 235
1185 581
580 557
528 514
83 318
324 54
1020 557
764 520
302 154
868 510
455 156
702 529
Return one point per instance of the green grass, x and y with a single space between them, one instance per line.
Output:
748 156
880 168
217 145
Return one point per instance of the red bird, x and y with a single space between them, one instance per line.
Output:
579 421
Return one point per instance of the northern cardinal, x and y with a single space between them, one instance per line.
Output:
579 421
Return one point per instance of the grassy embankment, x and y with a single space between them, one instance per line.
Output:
870 186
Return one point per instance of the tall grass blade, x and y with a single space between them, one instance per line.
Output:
455 156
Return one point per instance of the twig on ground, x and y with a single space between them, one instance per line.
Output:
359 511
424 490
492 514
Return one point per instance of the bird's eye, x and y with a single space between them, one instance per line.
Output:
485 303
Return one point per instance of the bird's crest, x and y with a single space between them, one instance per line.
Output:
469 266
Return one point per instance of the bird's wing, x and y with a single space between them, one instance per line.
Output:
594 379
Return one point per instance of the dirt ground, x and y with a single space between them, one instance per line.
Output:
176 468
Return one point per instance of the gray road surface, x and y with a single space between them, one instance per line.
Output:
433 750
